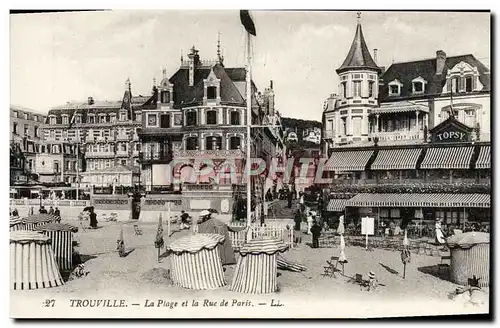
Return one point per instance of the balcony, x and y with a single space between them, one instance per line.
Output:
147 157
122 137
400 135
233 153
100 154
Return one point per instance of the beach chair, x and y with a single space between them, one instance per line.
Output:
137 230
331 267
358 280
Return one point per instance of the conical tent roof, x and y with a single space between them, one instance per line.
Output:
359 56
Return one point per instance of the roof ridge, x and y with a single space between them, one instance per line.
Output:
427 59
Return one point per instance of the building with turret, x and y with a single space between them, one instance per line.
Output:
402 141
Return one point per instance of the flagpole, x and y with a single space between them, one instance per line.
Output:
249 122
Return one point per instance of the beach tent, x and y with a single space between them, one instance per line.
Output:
32 261
256 270
35 220
61 240
195 261
16 223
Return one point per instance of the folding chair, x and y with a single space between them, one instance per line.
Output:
137 230
331 267
358 280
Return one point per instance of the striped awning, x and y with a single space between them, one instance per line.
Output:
263 246
448 158
195 243
336 205
484 159
420 200
396 159
348 160
400 107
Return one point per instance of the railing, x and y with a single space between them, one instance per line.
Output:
99 154
147 156
398 135
232 153
268 231
49 202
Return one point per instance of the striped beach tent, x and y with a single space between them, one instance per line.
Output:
61 239
195 261
16 223
33 221
32 261
256 270
284 264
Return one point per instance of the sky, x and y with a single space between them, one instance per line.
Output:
65 57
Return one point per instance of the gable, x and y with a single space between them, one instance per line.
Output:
451 130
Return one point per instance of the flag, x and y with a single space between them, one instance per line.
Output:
247 22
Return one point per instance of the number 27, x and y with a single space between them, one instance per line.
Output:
49 303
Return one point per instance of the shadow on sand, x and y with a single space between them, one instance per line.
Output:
436 271
390 270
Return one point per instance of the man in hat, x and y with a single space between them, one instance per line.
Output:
372 281
211 225
316 233
184 220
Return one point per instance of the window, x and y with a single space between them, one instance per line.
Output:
58 134
124 162
26 129
235 118
152 120
51 134
106 133
30 164
97 133
455 84
64 119
394 89
123 147
165 121
191 143
356 88
123 116
356 125
234 143
213 143
344 89
112 118
35 118
343 122
191 118
468 84
14 128
138 117
165 97
211 117
36 131
56 166
470 117
102 148
91 119
418 87
211 92
370 88
53 120
102 119
138 147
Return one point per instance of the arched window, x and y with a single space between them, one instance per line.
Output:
213 143
235 118
234 143
165 96
191 118
211 117
191 143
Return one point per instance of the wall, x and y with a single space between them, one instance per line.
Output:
104 205
153 205
69 208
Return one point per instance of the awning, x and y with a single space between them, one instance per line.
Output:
448 158
336 205
396 159
420 200
484 159
399 107
348 160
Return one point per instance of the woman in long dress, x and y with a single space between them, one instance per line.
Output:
439 233
212 225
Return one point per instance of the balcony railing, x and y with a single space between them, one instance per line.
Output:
100 154
232 153
398 135
148 156
122 137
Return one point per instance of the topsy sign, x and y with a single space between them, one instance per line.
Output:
451 130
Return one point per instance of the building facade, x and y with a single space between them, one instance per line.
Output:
411 142
104 133
25 131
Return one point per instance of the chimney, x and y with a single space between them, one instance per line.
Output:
375 51
440 60
271 85
90 100
193 60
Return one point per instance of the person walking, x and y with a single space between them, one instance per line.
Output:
310 221
93 218
42 210
316 233
51 211
290 198
184 220
57 214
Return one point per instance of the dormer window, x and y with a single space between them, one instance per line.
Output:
102 118
418 85
52 120
123 116
64 119
91 119
469 83
395 88
211 93
165 96
235 118
112 118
